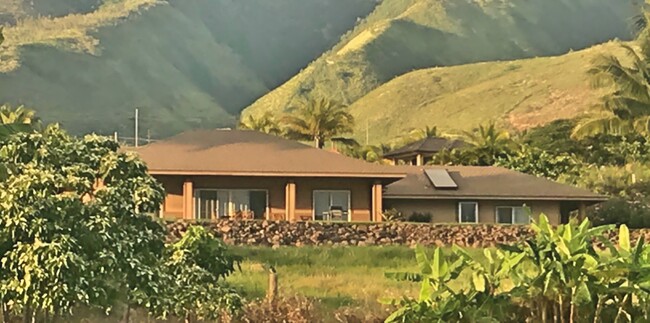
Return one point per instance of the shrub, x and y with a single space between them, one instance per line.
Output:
420 217
634 214
392 215
294 309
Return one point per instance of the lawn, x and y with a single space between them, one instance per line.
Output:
334 276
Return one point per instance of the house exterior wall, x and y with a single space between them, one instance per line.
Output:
276 187
446 211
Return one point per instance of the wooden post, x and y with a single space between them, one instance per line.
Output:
290 201
188 199
582 212
377 202
419 160
272 292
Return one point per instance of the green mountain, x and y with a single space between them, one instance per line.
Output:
184 63
518 95
401 36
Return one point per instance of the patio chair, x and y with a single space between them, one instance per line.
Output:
336 213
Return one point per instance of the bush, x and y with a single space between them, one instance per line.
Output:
392 215
420 217
634 214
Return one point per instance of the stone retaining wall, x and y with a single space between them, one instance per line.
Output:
270 233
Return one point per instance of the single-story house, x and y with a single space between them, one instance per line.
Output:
208 174
421 152
216 173
467 194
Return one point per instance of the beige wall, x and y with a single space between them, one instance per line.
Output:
446 211
360 193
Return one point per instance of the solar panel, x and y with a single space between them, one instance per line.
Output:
440 178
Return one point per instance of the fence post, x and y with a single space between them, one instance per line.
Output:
272 292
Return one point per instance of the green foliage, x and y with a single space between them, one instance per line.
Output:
625 110
196 266
420 217
17 120
265 123
557 276
634 213
539 162
65 240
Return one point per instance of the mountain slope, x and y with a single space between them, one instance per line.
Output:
516 94
186 64
405 35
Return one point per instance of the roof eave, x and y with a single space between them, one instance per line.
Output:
492 197
279 174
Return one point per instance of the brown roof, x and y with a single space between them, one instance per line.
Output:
250 153
484 183
427 145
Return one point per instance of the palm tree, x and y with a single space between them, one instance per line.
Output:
17 120
319 120
265 123
640 21
627 109
485 144
423 133
416 134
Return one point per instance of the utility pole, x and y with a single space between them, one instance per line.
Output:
367 132
136 127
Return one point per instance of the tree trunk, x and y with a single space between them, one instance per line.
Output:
28 315
127 314
561 308
5 313
188 318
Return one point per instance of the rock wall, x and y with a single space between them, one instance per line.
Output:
271 233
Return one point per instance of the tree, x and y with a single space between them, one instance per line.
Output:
196 264
265 123
369 153
538 162
627 109
318 120
484 146
75 224
17 120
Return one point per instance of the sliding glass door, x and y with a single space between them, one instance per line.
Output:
219 203
332 205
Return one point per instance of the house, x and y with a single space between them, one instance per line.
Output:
208 174
467 194
215 173
422 151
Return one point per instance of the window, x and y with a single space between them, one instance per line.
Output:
331 205
468 212
217 203
513 215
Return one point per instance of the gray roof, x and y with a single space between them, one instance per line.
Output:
428 145
484 183
251 153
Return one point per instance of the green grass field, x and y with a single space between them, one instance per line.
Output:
334 277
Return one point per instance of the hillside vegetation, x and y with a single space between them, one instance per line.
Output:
405 35
518 94
186 64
